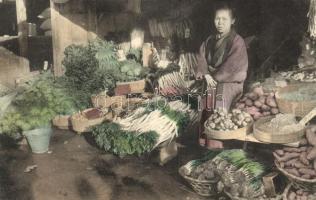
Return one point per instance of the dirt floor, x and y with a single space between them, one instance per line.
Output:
76 170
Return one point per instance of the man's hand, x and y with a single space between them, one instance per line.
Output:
211 83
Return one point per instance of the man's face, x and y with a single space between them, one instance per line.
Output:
223 21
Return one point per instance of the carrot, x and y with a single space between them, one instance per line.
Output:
303 158
312 154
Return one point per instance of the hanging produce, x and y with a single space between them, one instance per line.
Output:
258 104
184 28
301 161
223 121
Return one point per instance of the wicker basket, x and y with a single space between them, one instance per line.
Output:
203 188
81 124
240 133
298 108
104 101
286 191
62 122
270 137
298 182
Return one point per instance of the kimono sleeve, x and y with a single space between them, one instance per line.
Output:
234 67
202 66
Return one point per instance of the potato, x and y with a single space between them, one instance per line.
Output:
249 102
257 116
267 113
262 99
253 96
243 99
252 110
258 91
265 108
271 102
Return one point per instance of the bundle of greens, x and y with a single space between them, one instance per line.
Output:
110 137
240 175
36 105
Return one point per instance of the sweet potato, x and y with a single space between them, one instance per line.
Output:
275 111
265 108
258 104
311 137
249 102
271 102
258 91
310 172
300 165
286 157
292 149
253 96
306 176
280 152
312 154
303 158
293 171
266 113
291 162
262 99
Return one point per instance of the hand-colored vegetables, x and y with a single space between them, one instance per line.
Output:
301 161
258 104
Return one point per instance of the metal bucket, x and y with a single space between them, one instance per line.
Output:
38 139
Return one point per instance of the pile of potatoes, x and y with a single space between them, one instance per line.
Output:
221 120
300 194
258 104
301 161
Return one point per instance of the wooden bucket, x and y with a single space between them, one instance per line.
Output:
298 108
270 137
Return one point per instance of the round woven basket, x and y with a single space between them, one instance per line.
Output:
240 133
270 137
298 182
298 108
203 188
62 122
81 124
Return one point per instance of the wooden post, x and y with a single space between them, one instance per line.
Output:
22 26
55 36
92 20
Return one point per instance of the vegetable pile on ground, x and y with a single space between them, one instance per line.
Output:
36 105
223 121
240 175
300 194
301 161
258 104
160 120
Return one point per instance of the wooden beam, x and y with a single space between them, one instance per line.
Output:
55 39
22 26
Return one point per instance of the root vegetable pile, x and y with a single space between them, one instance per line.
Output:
258 104
300 194
223 121
301 161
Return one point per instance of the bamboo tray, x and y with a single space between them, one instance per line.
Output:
298 108
239 134
270 137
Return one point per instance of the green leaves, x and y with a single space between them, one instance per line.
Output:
111 138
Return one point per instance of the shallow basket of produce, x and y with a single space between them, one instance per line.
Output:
298 99
292 193
298 182
62 122
227 126
202 187
270 136
83 121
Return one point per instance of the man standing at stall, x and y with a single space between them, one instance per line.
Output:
222 64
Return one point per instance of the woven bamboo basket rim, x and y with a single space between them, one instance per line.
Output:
269 137
240 133
292 177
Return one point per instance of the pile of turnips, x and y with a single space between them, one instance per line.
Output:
222 120
258 104
301 161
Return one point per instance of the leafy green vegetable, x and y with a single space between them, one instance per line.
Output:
110 137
